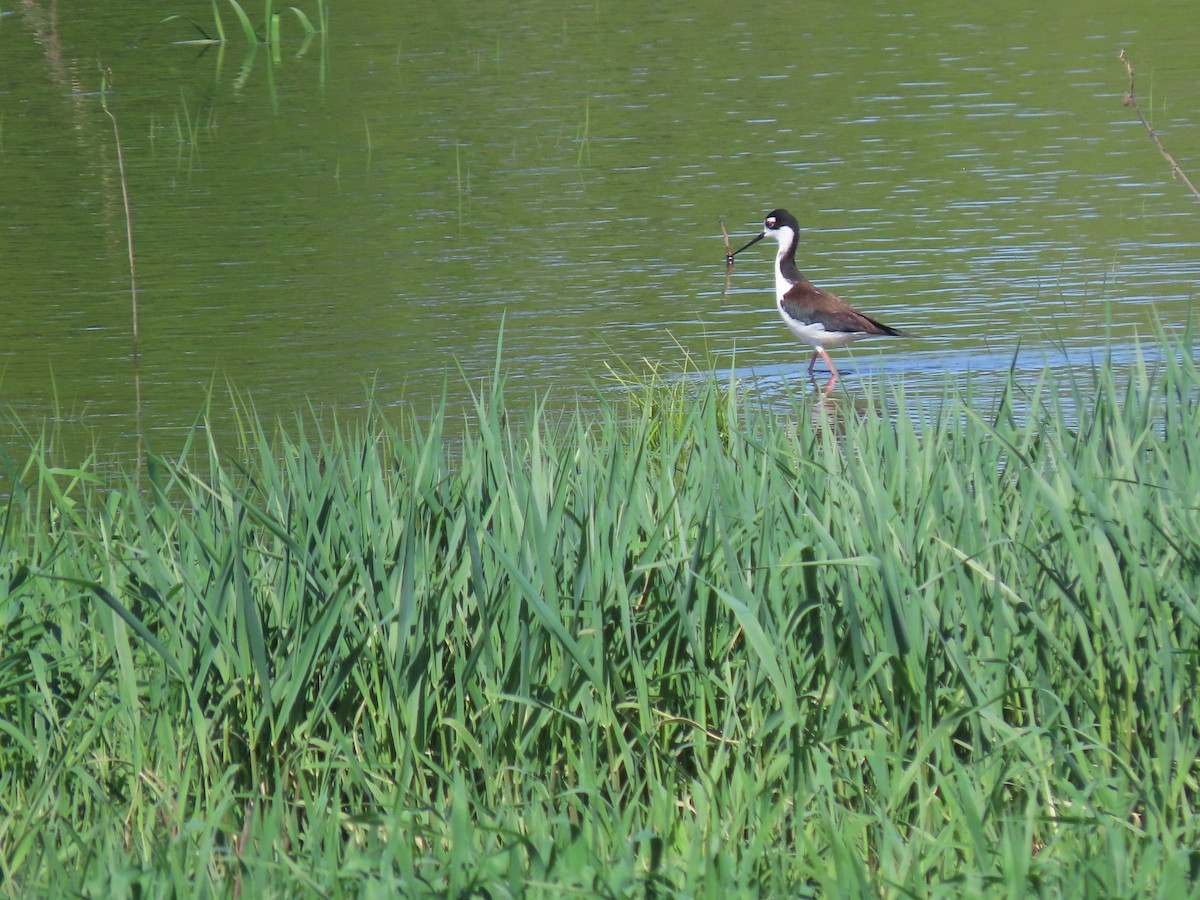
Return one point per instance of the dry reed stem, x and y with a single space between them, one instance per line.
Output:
1131 101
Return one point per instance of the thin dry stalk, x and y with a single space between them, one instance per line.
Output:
105 80
1130 100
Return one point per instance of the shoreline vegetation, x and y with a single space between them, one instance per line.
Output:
688 645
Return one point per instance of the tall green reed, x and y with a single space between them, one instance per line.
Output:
690 645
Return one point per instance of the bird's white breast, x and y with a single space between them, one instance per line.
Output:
814 333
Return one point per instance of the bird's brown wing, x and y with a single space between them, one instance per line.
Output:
807 303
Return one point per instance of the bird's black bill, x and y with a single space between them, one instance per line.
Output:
753 241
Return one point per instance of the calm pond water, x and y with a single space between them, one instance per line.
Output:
366 207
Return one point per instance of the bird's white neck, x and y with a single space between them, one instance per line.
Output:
784 260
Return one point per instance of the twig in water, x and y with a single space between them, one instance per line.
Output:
1130 100
728 258
725 237
105 77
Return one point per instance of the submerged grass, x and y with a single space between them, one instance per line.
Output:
693 650
270 27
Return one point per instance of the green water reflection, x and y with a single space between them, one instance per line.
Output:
369 208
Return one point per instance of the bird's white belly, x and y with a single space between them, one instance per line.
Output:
814 333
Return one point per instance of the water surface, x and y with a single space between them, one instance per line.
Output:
363 212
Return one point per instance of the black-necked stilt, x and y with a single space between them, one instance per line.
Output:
815 316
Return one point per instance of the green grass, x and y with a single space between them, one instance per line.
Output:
270 27
690 646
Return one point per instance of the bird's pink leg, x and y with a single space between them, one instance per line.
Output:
828 362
